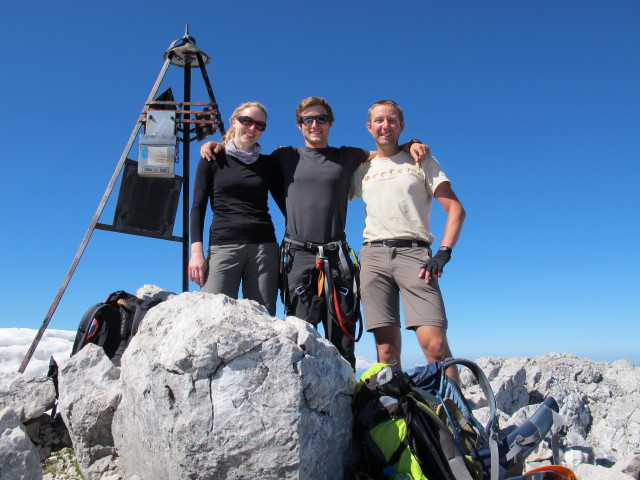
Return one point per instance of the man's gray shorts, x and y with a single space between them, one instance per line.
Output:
388 271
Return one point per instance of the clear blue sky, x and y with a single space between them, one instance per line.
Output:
532 108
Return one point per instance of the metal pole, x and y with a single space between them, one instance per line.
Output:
207 83
186 141
91 228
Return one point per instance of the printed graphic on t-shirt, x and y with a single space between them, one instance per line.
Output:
390 174
398 194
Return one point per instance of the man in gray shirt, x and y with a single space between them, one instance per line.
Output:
320 281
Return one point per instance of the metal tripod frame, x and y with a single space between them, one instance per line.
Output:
211 117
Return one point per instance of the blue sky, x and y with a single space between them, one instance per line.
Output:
532 108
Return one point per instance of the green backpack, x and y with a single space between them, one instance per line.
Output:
419 426
402 435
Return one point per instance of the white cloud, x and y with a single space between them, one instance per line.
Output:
15 342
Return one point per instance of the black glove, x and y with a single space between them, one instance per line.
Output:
435 265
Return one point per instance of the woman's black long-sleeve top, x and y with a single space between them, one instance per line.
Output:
238 194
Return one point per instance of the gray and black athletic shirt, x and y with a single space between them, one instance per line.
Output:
316 185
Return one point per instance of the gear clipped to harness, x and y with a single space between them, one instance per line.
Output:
332 291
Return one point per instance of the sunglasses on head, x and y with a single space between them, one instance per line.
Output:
248 122
308 119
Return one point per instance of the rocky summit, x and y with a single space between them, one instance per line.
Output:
599 402
215 388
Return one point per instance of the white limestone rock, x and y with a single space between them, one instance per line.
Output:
586 471
507 377
153 292
217 388
510 386
28 395
600 403
90 391
19 458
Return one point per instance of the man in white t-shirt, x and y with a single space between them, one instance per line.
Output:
396 257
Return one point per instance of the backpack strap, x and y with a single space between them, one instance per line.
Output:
492 427
528 435
377 461
555 438
141 311
131 310
482 381
558 429
436 434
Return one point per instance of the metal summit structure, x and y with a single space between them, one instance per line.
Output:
136 187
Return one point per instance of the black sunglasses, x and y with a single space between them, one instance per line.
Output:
248 122
308 119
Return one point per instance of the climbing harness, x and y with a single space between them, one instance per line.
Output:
325 286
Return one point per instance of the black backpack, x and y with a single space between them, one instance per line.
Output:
111 324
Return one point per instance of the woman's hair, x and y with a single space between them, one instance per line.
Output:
313 102
231 133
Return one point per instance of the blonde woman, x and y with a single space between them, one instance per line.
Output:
242 242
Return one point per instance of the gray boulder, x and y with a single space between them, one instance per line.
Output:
90 391
508 382
510 386
152 292
586 471
28 395
217 388
599 402
19 458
